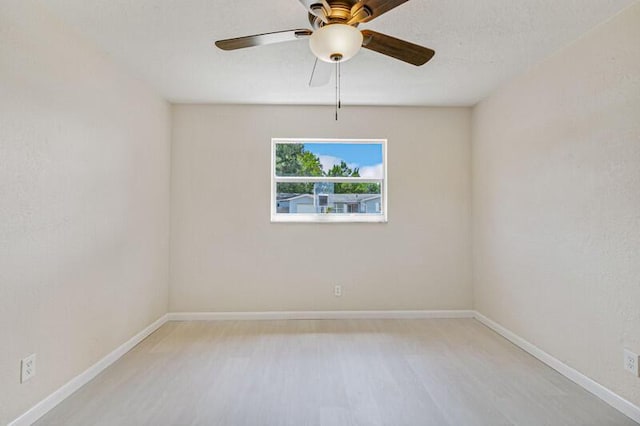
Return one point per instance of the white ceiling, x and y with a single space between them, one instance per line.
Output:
479 44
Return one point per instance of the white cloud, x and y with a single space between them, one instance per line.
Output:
373 172
329 161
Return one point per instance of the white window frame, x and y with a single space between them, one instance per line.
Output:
333 217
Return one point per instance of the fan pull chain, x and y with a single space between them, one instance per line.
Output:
337 78
338 88
339 85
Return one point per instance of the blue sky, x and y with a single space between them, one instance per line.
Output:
360 154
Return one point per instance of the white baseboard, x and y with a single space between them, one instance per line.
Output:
77 382
317 315
73 385
83 378
616 401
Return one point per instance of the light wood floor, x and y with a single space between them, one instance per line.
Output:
343 372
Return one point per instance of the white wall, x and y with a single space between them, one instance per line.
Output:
227 256
84 205
556 204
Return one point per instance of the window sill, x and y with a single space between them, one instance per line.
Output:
329 218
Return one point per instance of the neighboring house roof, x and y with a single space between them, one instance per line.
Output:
289 197
371 198
335 198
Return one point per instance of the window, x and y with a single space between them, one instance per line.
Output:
328 180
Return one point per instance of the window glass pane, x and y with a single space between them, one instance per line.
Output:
330 159
328 197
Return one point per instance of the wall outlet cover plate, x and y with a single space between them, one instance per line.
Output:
27 368
631 362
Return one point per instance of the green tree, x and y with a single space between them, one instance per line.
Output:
343 170
294 160
310 164
287 163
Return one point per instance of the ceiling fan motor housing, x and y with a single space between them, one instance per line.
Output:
327 12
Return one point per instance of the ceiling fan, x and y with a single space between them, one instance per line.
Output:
335 37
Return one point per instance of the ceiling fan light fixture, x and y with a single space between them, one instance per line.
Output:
335 42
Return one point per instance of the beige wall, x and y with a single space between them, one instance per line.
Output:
556 204
227 256
84 205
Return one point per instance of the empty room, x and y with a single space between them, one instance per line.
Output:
319 212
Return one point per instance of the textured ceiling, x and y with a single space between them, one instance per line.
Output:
480 45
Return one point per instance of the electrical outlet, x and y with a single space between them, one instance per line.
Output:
337 291
631 362
27 368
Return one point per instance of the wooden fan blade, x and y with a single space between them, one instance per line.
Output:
262 39
366 10
396 48
321 74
